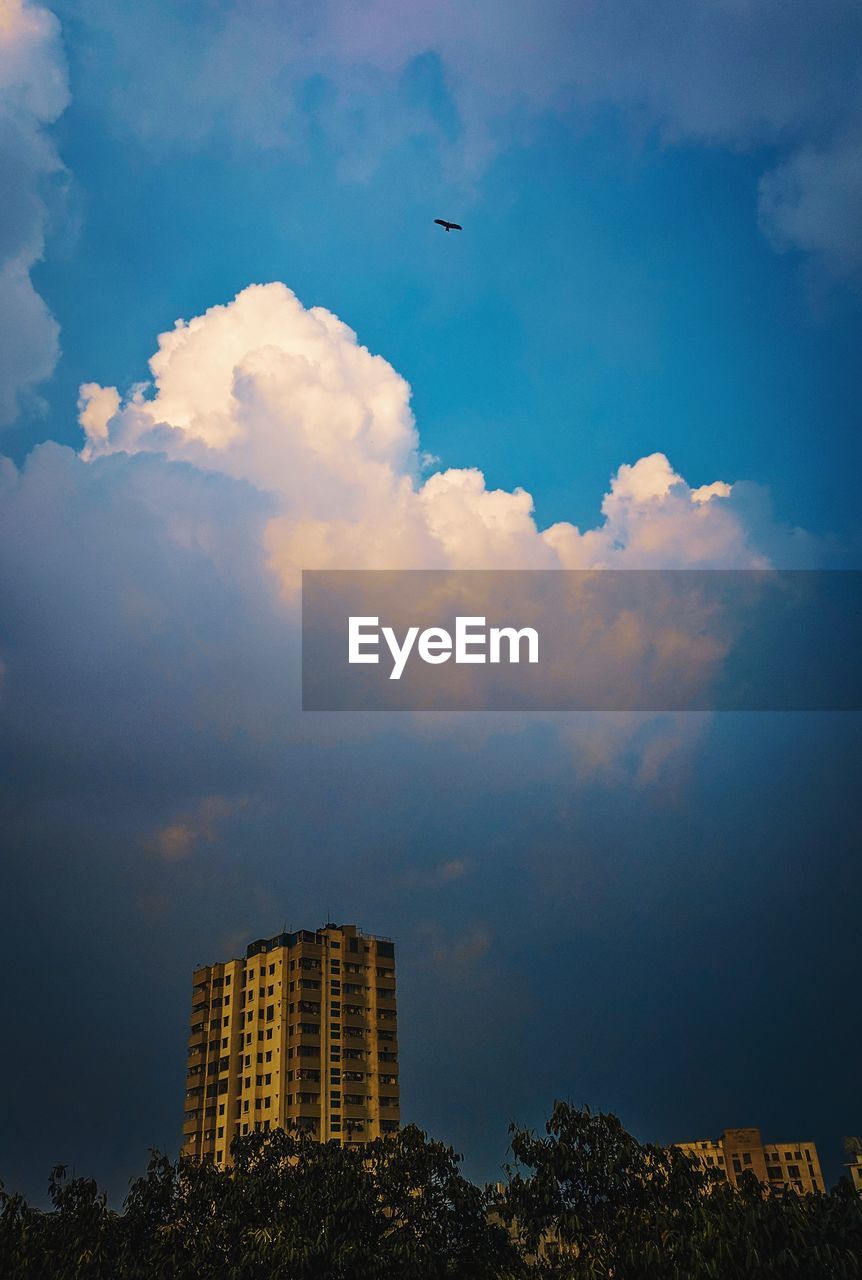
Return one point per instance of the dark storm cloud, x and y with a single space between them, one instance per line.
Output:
639 946
137 621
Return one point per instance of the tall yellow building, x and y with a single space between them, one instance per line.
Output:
781 1165
304 1032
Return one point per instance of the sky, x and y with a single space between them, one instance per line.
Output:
233 345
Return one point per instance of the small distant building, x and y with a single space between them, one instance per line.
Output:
853 1147
782 1166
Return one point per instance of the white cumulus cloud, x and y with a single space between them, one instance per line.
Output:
166 556
286 398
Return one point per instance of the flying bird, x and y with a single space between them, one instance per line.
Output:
450 226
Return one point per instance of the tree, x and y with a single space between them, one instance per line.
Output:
584 1200
589 1200
77 1240
398 1208
592 1201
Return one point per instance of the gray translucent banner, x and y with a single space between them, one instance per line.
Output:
591 640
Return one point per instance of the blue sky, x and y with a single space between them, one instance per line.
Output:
661 254
612 294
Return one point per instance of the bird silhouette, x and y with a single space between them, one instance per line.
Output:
450 226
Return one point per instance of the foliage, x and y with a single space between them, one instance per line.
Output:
288 1207
585 1199
589 1200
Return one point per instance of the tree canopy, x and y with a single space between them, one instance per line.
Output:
584 1199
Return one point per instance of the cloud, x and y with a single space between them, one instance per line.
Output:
435 877
97 405
459 958
813 201
33 93
746 75
264 391
151 621
180 838
174 842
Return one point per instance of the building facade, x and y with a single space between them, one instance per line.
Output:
782 1165
853 1148
301 1032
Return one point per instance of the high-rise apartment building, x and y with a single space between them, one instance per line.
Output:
781 1165
301 1032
